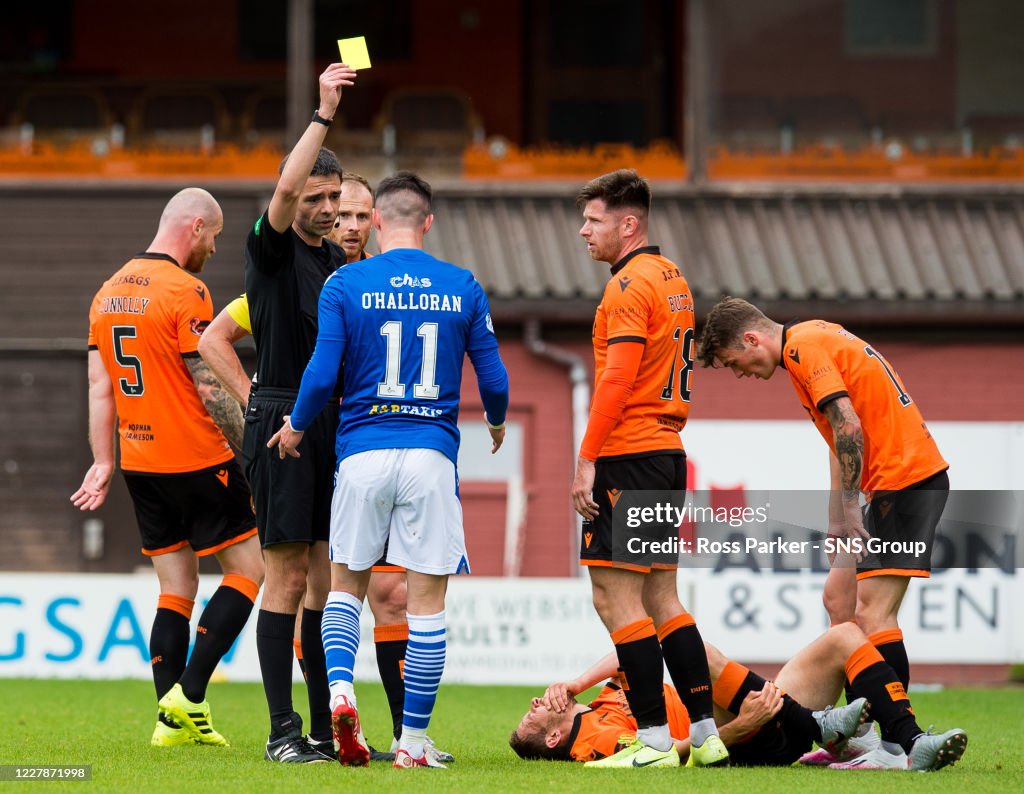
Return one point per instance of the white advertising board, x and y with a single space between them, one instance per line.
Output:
509 631
533 631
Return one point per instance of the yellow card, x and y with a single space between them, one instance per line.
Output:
353 52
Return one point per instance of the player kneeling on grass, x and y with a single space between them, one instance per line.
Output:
763 723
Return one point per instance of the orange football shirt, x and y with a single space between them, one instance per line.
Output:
648 301
825 361
143 321
600 729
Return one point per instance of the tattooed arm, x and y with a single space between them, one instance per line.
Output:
221 406
216 346
846 478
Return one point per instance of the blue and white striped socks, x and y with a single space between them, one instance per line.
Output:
340 632
424 664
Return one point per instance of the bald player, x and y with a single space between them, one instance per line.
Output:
174 421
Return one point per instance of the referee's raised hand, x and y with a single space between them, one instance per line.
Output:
332 80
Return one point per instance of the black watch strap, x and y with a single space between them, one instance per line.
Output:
320 119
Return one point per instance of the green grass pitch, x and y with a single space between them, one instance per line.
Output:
107 724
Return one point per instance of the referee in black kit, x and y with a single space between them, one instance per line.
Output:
287 261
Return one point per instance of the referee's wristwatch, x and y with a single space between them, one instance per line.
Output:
320 119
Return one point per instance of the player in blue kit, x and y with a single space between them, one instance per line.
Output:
401 324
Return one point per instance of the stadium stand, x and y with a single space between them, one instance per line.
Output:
62 114
426 119
264 119
829 119
178 116
747 121
996 130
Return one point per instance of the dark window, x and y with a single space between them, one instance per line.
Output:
597 33
386 24
35 37
890 27
582 122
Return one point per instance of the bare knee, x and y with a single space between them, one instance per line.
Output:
289 582
872 618
243 559
878 602
178 573
604 601
660 597
839 596
846 638
716 660
285 578
838 606
184 584
387 596
617 603
318 577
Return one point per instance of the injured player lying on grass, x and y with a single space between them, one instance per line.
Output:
764 723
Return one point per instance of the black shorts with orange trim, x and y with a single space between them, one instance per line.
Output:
205 510
661 471
772 745
292 497
907 516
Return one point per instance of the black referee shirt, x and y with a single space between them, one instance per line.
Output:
283 279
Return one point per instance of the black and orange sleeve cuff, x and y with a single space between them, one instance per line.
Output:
829 398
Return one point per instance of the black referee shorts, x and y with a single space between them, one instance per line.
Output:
292 497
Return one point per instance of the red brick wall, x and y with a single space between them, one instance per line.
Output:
483 511
541 399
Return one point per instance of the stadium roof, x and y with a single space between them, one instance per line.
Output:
923 255
927 257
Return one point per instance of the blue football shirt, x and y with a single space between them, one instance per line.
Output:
401 323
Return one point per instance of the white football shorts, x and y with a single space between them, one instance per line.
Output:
405 497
